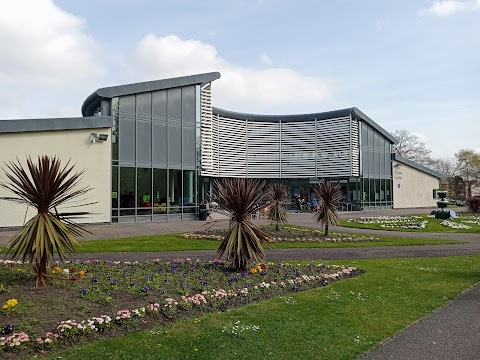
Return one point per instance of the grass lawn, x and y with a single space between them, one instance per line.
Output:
340 321
169 242
432 226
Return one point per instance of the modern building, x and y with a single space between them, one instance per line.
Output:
152 150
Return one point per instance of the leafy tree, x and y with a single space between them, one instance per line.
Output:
330 196
411 147
243 241
279 199
469 168
45 185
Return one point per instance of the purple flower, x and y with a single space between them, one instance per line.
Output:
7 329
85 291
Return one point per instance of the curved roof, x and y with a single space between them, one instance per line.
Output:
355 112
94 99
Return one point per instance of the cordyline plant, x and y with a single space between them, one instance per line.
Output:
44 186
243 241
279 198
330 196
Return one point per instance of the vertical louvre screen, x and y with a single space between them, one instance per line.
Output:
313 148
263 150
355 146
333 147
298 149
207 132
232 145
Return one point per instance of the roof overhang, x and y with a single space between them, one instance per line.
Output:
93 100
55 124
419 167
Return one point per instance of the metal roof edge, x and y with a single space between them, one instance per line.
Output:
417 166
135 88
373 124
52 124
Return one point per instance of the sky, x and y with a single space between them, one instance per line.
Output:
407 64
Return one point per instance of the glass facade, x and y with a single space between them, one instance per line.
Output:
154 147
156 157
376 170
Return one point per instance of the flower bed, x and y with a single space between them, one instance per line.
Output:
288 234
126 296
393 222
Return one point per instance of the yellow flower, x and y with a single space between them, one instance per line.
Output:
259 268
81 272
10 303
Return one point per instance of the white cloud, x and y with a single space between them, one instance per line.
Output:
444 8
240 88
266 60
43 48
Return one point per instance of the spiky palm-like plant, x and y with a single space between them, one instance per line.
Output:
45 185
243 241
330 196
279 198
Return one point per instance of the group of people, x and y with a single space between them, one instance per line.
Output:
206 210
304 206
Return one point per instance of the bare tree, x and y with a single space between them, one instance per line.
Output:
411 147
447 166
469 168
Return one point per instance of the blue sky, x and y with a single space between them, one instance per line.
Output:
407 64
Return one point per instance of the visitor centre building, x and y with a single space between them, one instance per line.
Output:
152 150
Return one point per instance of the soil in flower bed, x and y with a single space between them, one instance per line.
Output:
288 234
146 294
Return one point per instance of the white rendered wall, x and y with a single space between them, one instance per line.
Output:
66 144
412 188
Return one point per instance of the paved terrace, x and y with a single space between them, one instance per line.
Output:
109 231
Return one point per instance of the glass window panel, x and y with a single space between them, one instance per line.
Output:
174 104
115 195
188 145
388 189
388 161
174 190
377 190
127 139
159 104
144 141
144 103
144 190
188 104
371 156
365 190
160 191
189 188
127 190
159 143
371 192
174 144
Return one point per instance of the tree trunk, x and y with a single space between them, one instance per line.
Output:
326 230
